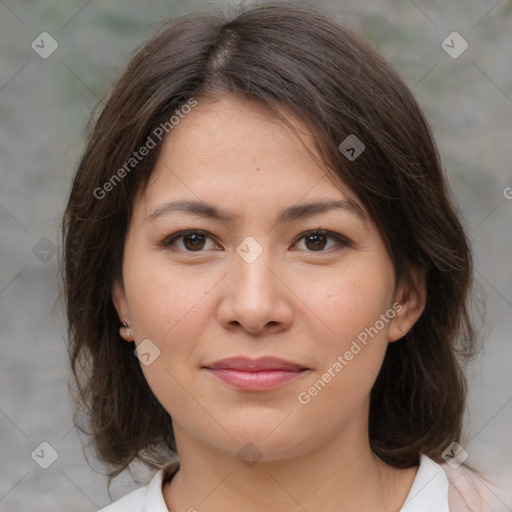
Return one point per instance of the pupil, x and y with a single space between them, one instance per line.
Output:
316 241
195 240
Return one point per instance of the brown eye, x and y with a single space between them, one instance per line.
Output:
316 241
191 241
194 242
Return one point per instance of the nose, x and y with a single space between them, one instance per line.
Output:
255 297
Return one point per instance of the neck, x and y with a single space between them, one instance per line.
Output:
335 476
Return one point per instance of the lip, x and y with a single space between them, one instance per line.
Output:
246 364
260 374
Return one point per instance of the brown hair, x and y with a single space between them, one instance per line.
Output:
294 59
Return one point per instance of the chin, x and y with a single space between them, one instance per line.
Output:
262 444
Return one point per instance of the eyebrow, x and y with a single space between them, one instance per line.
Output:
300 211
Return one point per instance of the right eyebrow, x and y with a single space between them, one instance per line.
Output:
205 209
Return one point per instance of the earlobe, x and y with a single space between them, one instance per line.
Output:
125 332
412 300
119 300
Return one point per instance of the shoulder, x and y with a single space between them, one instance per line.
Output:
149 497
469 491
134 502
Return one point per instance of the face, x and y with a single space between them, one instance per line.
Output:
253 273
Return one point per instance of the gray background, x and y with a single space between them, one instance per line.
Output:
44 107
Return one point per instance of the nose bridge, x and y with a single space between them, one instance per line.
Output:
252 275
253 295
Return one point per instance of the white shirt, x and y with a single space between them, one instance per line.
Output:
435 488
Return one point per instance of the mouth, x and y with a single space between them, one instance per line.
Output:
256 374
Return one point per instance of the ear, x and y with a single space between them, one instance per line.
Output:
121 305
412 300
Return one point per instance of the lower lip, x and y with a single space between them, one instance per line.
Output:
255 381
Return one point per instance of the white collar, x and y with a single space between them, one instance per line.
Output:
154 501
429 491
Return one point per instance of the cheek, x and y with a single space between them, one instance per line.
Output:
166 307
350 356
354 339
166 302
349 300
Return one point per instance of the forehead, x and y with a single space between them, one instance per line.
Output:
234 152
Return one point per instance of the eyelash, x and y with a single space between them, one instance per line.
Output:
342 241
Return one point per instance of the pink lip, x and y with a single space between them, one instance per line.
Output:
255 374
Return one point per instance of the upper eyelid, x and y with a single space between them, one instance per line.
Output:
185 232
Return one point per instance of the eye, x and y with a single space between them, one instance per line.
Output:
316 241
192 240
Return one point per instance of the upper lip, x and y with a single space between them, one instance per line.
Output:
255 365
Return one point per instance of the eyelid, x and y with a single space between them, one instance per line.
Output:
168 240
340 239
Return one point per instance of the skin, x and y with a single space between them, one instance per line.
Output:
298 301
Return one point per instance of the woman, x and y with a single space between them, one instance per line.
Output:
266 277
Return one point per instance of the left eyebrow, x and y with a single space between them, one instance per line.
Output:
308 209
204 209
